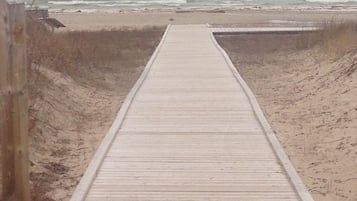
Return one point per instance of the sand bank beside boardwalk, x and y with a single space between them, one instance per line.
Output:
75 91
309 96
106 20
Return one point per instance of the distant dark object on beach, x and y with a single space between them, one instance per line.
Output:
216 11
171 19
184 11
42 16
208 11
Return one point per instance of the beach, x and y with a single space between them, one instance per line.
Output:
74 96
317 138
277 17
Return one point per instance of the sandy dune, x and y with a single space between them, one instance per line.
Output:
310 100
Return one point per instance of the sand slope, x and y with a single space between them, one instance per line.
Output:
74 99
311 102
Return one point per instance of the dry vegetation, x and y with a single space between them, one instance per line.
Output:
307 87
77 81
335 38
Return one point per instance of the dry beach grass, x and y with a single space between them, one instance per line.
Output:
307 87
336 38
77 82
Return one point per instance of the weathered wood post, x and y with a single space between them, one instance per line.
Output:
13 102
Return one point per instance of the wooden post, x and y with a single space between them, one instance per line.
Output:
13 105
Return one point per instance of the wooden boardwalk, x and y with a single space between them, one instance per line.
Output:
190 130
230 30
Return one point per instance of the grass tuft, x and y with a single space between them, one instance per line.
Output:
335 38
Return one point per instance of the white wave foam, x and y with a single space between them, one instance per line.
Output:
331 1
292 22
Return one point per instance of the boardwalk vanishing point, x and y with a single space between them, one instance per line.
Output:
190 130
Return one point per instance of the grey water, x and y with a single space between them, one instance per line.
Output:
132 4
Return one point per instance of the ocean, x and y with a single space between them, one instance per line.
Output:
152 4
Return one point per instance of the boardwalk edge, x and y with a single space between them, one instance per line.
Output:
294 178
85 183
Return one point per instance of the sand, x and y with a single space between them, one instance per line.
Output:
310 100
102 20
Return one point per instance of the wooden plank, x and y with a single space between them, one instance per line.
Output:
199 196
4 63
247 30
13 108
